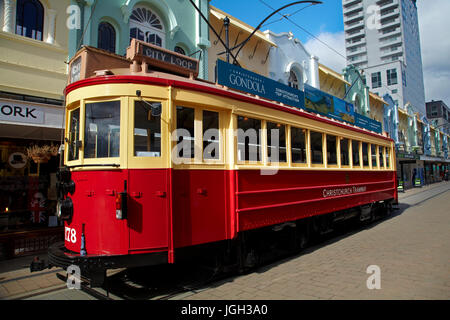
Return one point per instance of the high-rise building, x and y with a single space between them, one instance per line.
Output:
382 40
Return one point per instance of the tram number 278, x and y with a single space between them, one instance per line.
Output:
70 235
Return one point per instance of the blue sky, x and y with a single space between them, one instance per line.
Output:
325 17
325 21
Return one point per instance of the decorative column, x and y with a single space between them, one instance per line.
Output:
9 18
51 14
314 71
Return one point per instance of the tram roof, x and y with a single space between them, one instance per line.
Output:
124 71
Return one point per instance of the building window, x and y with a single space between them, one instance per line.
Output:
376 80
392 77
106 37
30 19
293 81
179 50
147 26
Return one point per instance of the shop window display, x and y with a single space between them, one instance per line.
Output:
27 188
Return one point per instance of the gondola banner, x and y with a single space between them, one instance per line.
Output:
241 79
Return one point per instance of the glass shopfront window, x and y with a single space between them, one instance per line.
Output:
27 185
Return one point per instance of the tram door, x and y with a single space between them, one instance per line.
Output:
147 209
148 190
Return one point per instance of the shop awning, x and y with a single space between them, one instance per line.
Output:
29 132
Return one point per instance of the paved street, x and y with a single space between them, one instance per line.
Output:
411 249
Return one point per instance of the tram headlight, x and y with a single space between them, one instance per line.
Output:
65 209
68 187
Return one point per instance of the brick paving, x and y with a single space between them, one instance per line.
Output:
411 248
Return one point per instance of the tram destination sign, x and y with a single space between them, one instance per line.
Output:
162 59
241 79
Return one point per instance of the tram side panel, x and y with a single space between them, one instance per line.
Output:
201 207
264 200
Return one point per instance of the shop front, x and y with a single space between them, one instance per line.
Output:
410 170
30 135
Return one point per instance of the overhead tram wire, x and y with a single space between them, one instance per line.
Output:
243 43
324 43
215 32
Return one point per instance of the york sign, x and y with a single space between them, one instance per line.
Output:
16 112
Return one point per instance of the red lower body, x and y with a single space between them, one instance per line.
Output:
170 209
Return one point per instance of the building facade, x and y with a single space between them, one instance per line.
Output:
172 24
439 112
33 74
382 39
290 63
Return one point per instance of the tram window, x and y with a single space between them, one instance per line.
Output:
276 150
102 131
365 152
373 152
74 134
331 150
316 147
298 145
387 158
249 139
211 135
380 151
345 160
147 130
355 153
185 132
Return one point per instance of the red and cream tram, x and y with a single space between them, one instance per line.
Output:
141 186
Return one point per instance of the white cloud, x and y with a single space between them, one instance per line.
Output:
435 45
327 56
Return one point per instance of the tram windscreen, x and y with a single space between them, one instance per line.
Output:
147 130
102 130
74 134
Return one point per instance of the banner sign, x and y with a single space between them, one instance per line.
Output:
237 78
367 123
323 103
